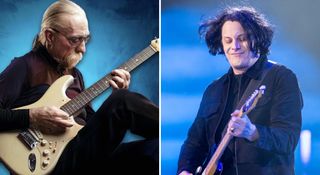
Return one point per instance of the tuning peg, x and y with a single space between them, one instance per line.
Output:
262 88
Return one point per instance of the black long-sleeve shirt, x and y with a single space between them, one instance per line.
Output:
25 80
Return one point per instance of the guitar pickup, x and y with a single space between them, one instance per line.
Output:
28 139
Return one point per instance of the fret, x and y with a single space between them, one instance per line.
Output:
66 109
89 93
73 106
76 104
126 67
98 91
78 101
94 91
103 84
99 86
85 98
69 110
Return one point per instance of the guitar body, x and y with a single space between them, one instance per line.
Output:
215 170
216 167
42 158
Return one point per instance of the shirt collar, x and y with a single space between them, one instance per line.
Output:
255 70
43 53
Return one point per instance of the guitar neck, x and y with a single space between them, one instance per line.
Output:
244 110
100 86
213 163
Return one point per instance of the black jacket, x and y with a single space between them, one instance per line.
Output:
277 117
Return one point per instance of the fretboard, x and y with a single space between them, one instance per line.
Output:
100 86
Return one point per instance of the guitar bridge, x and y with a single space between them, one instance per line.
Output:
28 139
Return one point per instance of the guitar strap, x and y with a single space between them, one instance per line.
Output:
254 84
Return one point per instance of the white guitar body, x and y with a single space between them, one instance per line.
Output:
18 157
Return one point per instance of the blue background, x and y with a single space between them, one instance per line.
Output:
119 30
187 68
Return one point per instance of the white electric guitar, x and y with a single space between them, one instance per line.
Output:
32 152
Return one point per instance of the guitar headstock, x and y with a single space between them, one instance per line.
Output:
253 99
155 44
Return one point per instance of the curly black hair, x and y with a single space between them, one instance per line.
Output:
258 30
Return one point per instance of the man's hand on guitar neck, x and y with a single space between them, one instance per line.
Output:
120 79
242 127
49 120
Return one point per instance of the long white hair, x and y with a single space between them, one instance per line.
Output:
52 18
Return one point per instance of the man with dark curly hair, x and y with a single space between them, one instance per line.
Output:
264 140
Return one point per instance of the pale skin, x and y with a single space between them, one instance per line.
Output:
51 119
237 51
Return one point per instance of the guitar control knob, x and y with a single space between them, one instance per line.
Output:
43 142
45 152
45 163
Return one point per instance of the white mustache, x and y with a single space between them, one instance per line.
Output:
73 59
